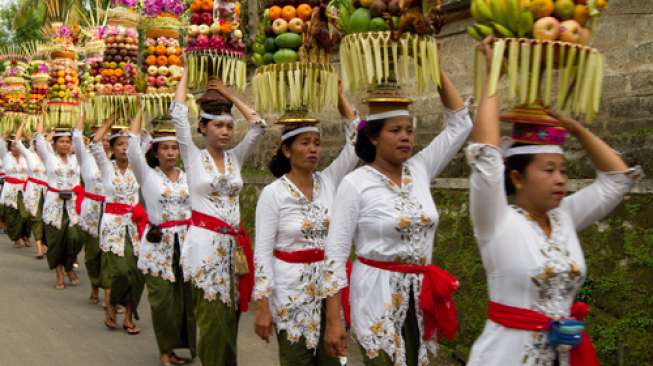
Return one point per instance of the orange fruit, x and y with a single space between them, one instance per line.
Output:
174 60
195 6
288 12
151 50
162 60
274 12
150 60
161 50
304 12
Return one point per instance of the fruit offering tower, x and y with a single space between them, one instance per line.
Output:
543 46
388 42
117 93
91 69
215 43
15 88
292 52
161 67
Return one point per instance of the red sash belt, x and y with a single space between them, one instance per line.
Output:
35 181
139 216
435 298
246 283
168 224
300 256
81 194
13 180
526 319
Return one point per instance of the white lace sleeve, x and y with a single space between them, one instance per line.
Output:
252 138
267 222
137 158
187 148
346 160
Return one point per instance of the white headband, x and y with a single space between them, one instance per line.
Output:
118 134
298 131
389 114
163 138
533 149
218 117
62 134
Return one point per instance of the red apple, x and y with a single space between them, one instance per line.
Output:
570 31
547 28
585 36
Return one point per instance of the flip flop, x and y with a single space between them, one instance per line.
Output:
176 360
131 329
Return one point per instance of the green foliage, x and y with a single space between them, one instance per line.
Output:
619 255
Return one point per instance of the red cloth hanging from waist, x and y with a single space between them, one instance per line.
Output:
35 181
246 281
81 194
300 256
139 216
12 180
435 298
526 319
169 224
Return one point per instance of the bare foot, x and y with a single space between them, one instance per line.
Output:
131 328
18 244
72 277
109 318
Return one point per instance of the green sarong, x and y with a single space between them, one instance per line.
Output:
122 274
218 330
296 354
37 221
410 333
172 309
63 244
18 222
92 258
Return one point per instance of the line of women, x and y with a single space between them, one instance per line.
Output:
187 244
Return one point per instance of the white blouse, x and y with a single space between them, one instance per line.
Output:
165 200
36 170
287 221
524 267
91 209
392 224
14 168
207 258
63 176
119 187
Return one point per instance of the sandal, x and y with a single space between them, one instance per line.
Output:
60 286
176 360
18 245
94 300
109 321
131 329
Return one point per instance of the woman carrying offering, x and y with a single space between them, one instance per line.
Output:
36 186
15 213
61 222
292 221
119 227
167 199
89 206
531 252
216 256
400 303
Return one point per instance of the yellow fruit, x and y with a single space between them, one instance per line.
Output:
542 8
366 3
602 4
581 14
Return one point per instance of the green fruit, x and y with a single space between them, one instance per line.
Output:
268 58
503 31
257 59
378 24
564 9
270 45
395 22
285 56
484 30
259 48
288 40
360 20
474 33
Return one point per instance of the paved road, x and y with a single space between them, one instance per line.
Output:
42 326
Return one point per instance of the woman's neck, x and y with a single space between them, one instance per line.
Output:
303 179
390 169
122 164
216 153
536 214
63 157
169 171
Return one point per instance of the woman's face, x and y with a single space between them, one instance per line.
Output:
395 141
14 148
218 133
119 148
304 152
63 145
543 183
168 153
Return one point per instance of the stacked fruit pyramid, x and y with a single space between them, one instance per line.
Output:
292 51
117 93
39 77
161 70
15 89
215 43
63 107
91 69
536 38
389 42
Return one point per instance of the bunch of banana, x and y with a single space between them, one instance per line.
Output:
501 18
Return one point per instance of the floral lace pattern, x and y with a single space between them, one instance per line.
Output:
225 188
66 175
10 191
112 230
557 280
156 258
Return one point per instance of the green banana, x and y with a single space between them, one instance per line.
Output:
512 15
473 9
483 11
503 31
526 22
484 30
498 11
473 32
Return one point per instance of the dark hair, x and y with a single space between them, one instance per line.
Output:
365 150
280 164
217 105
112 142
54 139
518 163
150 155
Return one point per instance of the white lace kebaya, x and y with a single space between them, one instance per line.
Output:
35 171
91 209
